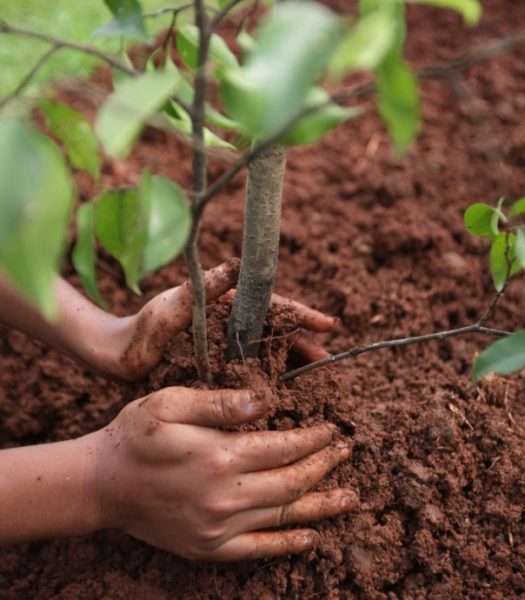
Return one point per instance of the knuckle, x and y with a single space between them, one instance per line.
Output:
219 464
223 407
208 537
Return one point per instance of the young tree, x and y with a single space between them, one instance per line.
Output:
271 99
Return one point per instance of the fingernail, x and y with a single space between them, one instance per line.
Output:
350 500
256 403
344 450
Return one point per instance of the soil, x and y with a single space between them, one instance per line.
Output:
437 460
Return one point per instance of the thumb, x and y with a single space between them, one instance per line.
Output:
212 408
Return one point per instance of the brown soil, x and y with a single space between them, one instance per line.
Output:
438 461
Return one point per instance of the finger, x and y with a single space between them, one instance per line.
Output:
284 485
311 507
178 309
211 408
258 544
307 349
306 317
272 449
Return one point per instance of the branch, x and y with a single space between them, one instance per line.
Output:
38 65
477 327
199 183
86 49
439 71
222 13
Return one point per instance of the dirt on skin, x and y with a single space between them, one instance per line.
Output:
437 460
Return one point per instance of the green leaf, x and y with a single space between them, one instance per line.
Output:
169 223
502 254
294 44
517 208
366 45
246 42
84 254
119 76
482 219
188 43
314 126
398 100
120 228
520 246
36 195
76 133
503 357
470 10
126 110
127 22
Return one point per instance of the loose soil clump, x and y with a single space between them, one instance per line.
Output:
437 461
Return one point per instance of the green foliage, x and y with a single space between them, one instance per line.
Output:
503 357
469 9
292 48
84 254
129 107
143 227
507 250
482 219
502 259
76 133
36 196
312 127
398 100
188 44
127 21
366 45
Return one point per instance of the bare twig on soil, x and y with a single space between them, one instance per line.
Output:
477 327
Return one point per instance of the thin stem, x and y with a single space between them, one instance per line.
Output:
222 13
38 65
357 350
86 49
199 183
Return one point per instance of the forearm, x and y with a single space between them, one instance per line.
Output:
81 329
46 491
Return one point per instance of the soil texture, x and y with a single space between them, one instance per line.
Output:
437 460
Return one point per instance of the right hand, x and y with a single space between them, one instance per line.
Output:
164 474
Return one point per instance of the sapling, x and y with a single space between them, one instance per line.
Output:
271 99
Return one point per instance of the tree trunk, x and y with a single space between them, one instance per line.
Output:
260 247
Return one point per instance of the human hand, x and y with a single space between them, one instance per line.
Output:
165 475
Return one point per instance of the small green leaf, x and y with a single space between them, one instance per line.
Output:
482 219
76 133
120 228
503 357
126 110
470 10
366 45
169 223
246 42
188 43
502 259
293 45
84 255
520 246
127 21
517 208
398 100
314 126
36 195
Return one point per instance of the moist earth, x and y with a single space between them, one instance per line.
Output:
437 459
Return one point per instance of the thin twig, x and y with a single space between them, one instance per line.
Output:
21 86
199 183
85 48
477 327
214 23
174 10
357 350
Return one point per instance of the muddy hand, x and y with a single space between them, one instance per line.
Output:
166 475
305 318
164 316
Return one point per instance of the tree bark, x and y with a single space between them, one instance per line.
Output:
260 247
